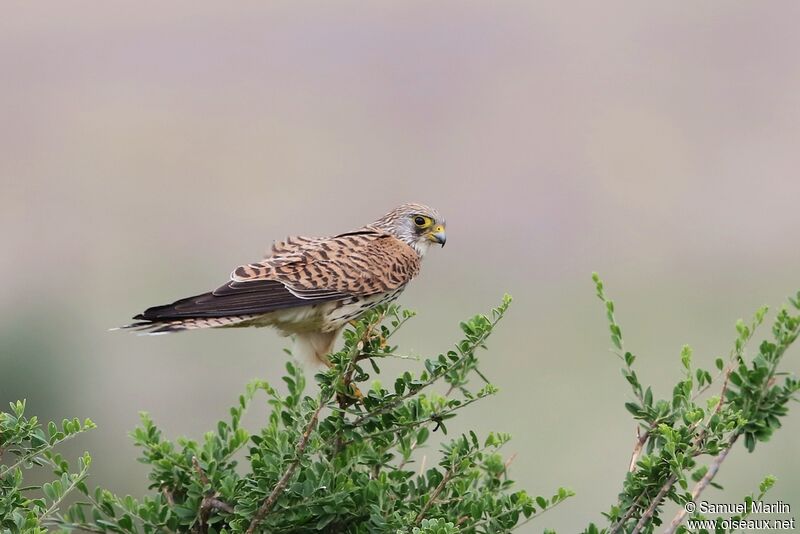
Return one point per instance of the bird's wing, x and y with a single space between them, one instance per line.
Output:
303 271
361 263
231 299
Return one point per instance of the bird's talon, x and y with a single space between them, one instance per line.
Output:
353 396
356 393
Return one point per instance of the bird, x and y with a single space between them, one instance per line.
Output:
311 287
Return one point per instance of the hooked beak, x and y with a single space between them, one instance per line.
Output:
438 235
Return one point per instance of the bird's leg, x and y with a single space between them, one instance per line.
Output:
322 344
379 335
369 333
352 393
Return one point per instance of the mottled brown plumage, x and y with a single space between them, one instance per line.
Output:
311 287
359 263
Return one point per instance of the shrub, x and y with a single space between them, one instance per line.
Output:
338 461
30 445
347 460
676 434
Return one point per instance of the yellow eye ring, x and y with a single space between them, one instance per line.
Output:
421 221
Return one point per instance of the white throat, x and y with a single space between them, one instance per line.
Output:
421 246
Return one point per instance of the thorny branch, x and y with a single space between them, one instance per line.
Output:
435 495
655 503
628 514
702 483
670 482
641 439
269 502
460 361
211 500
715 465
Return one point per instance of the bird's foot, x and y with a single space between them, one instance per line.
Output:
356 393
352 396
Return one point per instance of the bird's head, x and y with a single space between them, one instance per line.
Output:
416 224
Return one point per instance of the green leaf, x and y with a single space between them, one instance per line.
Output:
686 357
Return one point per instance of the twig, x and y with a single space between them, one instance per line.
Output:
536 515
486 522
211 500
696 450
359 355
36 452
724 389
424 423
509 461
153 527
628 514
345 399
77 479
414 357
641 439
212 503
269 502
655 503
199 471
434 418
411 450
449 475
709 474
398 400
702 483
436 492
168 496
734 354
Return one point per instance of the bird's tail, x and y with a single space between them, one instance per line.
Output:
168 326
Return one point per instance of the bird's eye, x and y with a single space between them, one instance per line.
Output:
420 221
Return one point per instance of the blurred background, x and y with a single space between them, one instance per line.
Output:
146 149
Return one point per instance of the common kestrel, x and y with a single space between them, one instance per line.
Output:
311 287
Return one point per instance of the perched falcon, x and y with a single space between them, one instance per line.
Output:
312 286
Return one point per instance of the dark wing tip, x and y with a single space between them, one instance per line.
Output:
233 299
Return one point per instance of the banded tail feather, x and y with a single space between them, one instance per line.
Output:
169 326
229 305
